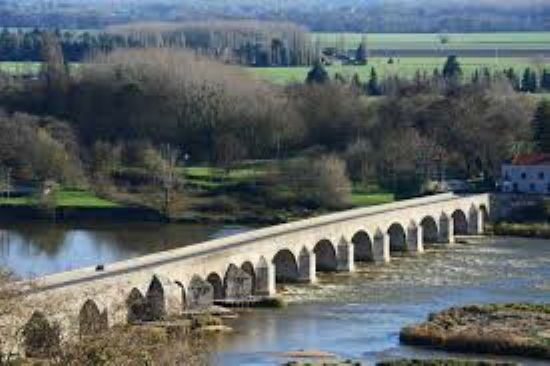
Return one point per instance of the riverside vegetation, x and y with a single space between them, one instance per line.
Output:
195 139
505 329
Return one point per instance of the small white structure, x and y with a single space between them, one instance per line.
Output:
527 174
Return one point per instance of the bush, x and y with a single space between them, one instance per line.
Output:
321 182
358 162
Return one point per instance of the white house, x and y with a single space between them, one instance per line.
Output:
527 174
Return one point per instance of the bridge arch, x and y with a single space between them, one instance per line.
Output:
446 230
248 267
156 300
362 247
325 256
91 320
430 232
136 306
217 285
398 238
460 222
41 338
286 267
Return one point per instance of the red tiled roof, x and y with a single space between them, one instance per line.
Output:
532 159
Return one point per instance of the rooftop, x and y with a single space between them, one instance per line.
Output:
532 159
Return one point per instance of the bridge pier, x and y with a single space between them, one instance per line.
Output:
265 279
446 230
475 222
415 241
307 267
345 254
381 248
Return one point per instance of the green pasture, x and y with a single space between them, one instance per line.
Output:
405 67
432 41
20 68
64 198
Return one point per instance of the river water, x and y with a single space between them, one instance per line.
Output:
356 316
359 316
32 249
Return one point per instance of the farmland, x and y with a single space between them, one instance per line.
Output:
433 42
406 66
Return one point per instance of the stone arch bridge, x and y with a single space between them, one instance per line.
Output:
251 264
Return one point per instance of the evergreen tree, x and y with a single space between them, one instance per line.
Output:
318 74
361 55
487 78
529 81
475 77
452 69
373 88
513 78
541 127
356 83
340 79
545 80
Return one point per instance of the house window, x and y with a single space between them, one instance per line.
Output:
523 176
516 188
507 176
532 187
541 175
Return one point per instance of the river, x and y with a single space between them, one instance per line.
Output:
31 249
359 316
356 316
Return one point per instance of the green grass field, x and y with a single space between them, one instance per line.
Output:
431 41
64 198
405 66
213 178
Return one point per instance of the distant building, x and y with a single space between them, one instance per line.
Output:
527 174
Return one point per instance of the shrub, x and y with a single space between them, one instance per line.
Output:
321 182
358 160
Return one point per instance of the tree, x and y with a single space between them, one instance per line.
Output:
513 78
361 55
320 182
168 174
541 127
452 69
318 74
357 84
529 81
373 88
54 73
545 80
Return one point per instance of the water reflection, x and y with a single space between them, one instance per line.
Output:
36 248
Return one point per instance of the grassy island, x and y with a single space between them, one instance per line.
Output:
510 329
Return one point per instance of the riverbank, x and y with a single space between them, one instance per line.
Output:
245 195
540 230
509 329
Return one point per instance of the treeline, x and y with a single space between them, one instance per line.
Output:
319 15
26 45
239 42
528 81
128 105
244 42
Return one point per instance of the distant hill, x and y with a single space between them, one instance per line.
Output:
318 15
